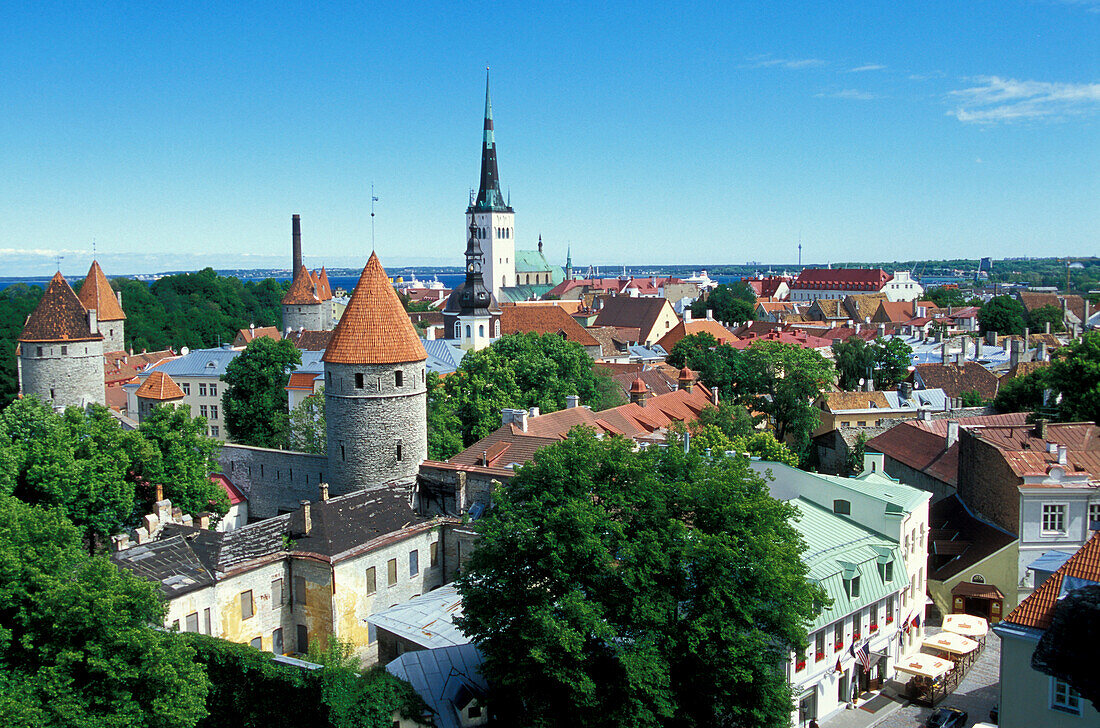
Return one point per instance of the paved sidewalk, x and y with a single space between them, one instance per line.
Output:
976 694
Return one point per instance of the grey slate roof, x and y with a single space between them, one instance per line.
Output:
443 677
222 553
443 356
426 620
171 563
348 521
197 363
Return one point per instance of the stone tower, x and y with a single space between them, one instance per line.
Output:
157 389
61 350
376 393
96 294
492 217
473 317
308 302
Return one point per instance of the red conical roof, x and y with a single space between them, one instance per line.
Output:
302 291
59 316
96 293
324 290
638 387
374 328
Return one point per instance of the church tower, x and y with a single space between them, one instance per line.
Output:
492 217
376 394
473 318
96 293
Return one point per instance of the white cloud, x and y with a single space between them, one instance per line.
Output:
794 64
867 67
1005 100
848 93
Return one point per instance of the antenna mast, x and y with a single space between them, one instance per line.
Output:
373 199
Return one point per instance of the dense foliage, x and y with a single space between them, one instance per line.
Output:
254 401
515 371
1038 319
1003 314
730 303
885 361
1072 380
730 427
778 379
638 589
248 688
16 303
1068 649
77 646
306 431
944 296
84 463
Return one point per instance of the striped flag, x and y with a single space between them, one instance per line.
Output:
861 654
916 622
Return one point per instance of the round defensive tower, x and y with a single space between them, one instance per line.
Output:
96 293
302 307
61 350
376 394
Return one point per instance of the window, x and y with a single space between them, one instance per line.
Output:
872 614
800 661
1054 518
977 579
191 623
299 590
391 572
842 507
258 643
1064 698
852 587
372 582
39 352
861 423
215 431
474 711
838 635
890 609
433 554
342 451
398 451
467 331
203 410
246 604
398 378
277 641
186 387
886 571
213 411
202 390
213 390
206 620
303 639
64 350
819 646
1094 516
277 593
358 380
481 329
458 331
414 562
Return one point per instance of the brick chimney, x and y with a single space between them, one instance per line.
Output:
302 520
296 244
93 321
572 401
952 433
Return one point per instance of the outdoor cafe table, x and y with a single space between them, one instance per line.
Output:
954 644
932 677
966 625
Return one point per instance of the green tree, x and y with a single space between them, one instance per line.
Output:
444 427
1022 394
16 303
1038 318
516 371
854 461
689 349
1068 649
77 644
783 381
730 303
254 402
971 398
184 459
1074 373
1003 314
638 589
854 360
893 357
307 429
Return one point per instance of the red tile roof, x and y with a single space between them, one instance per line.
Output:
867 279
246 335
806 341
96 293
1033 300
374 328
159 386
324 291
1037 610
303 291
1026 453
59 317
302 381
893 311
231 491
310 340
697 326
626 312
544 320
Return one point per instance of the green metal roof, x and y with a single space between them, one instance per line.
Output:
532 261
837 549
900 499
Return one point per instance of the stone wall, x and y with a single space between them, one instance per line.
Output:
986 482
114 335
377 430
443 488
312 317
64 375
275 481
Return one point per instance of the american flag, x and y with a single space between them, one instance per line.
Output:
861 654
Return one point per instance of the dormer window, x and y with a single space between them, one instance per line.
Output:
851 587
886 571
842 507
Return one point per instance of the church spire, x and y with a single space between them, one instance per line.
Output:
474 300
489 197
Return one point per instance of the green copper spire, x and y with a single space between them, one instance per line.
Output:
489 197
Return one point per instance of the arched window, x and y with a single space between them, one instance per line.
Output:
467 332
496 328
481 330
977 579
458 331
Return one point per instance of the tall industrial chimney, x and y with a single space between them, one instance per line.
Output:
296 242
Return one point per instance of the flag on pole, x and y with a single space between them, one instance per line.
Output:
916 621
861 654
838 668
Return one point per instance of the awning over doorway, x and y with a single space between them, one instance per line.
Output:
980 591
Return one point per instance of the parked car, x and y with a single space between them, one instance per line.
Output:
947 718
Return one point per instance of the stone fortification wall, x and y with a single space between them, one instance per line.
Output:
64 375
275 481
114 335
311 317
377 429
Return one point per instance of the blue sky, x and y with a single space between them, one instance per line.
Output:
659 133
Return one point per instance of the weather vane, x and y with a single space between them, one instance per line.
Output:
373 199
